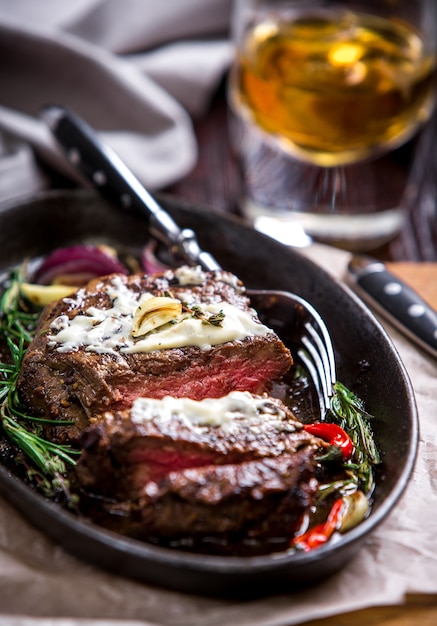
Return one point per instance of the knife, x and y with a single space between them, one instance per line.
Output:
395 300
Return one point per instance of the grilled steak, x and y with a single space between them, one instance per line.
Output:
124 451
86 360
239 463
262 498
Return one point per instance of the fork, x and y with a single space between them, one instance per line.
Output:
294 319
302 328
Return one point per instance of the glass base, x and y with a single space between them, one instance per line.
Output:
355 232
358 207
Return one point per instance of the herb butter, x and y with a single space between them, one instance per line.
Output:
110 330
223 412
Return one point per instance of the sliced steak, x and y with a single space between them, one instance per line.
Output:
261 498
85 361
124 451
237 464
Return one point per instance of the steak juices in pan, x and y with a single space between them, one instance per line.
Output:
162 393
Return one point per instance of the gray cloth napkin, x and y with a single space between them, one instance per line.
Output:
40 585
136 70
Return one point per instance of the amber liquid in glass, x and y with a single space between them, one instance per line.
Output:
333 89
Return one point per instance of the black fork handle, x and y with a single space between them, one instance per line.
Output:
107 172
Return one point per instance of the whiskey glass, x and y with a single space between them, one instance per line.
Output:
330 103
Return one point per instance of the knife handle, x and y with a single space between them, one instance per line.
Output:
402 304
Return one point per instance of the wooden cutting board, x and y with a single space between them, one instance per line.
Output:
417 611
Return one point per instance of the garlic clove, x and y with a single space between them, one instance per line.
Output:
154 313
44 294
356 509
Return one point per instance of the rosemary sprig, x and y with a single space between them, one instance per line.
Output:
17 328
348 411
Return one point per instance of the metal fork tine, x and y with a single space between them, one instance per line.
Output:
319 360
325 343
316 349
297 321
316 378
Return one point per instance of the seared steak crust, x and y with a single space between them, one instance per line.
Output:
120 455
265 497
252 475
78 385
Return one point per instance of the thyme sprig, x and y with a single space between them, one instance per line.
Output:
17 328
196 311
215 319
348 411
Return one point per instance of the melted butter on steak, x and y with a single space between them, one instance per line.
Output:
226 413
99 370
105 330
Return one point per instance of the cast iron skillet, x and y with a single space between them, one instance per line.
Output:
367 362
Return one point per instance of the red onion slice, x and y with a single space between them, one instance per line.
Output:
77 265
149 260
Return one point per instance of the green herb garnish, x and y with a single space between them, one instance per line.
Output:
348 411
215 319
17 329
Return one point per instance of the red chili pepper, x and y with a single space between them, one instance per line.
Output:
318 535
333 434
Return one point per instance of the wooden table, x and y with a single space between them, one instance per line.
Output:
214 182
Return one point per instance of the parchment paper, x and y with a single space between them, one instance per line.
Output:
41 585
